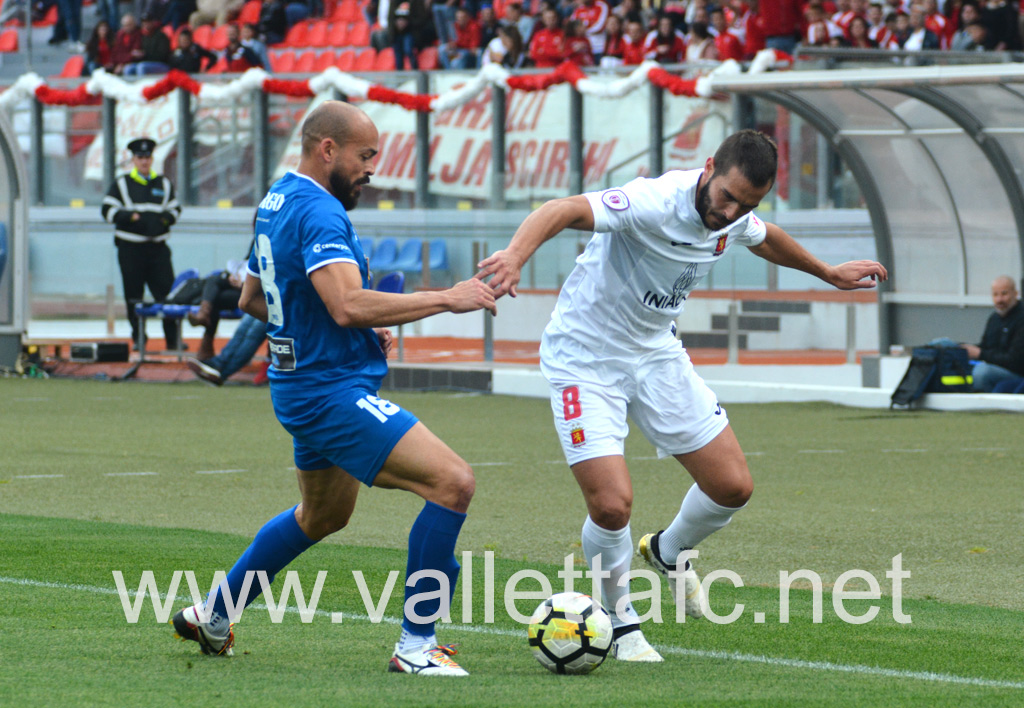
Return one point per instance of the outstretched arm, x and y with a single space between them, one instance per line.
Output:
780 248
505 266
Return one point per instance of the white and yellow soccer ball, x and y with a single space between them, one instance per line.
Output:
570 633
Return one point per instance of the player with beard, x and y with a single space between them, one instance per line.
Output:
308 280
608 352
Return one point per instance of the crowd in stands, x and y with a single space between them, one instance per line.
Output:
467 34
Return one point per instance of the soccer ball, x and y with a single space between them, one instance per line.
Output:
570 633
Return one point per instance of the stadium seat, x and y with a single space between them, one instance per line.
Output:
296 36
219 39
169 31
304 62
219 66
359 35
367 244
410 258
49 19
438 254
428 59
384 254
202 35
72 67
282 62
385 60
323 61
346 60
316 36
347 11
392 283
177 33
364 60
338 36
9 40
250 13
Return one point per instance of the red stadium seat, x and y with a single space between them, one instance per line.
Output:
296 36
49 19
72 67
202 36
177 33
317 34
365 60
304 62
250 13
428 59
359 35
9 40
219 39
323 61
385 60
347 11
346 60
282 62
338 36
169 31
219 67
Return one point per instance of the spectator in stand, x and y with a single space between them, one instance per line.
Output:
489 24
98 49
68 25
156 50
754 38
879 32
273 22
700 45
975 36
1001 20
666 45
462 52
628 10
1000 355
578 49
444 19
239 351
919 37
696 11
547 49
936 22
215 12
593 14
127 45
406 23
108 12
961 39
726 42
613 43
780 23
841 17
506 49
177 12
249 38
189 56
524 23
821 31
239 58
634 48
859 34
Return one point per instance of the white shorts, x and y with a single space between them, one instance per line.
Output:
658 389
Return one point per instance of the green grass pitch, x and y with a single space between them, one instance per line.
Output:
97 477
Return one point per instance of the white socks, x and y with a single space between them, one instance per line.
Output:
616 551
698 518
410 642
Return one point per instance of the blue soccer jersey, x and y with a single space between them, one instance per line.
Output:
301 227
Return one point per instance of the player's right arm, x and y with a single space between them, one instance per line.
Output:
545 223
252 300
340 286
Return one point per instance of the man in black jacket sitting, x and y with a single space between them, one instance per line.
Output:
1001 352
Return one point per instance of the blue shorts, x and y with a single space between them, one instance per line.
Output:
341 425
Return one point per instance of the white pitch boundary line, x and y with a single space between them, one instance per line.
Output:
861 669
37 476
820 452
218 471
130 474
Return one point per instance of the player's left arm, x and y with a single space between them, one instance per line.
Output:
252 300
782 249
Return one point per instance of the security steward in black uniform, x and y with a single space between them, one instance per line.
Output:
142 207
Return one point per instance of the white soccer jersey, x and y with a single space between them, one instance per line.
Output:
649 251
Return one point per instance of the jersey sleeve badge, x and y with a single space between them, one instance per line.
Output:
615 199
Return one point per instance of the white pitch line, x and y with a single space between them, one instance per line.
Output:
489 464
753 454
130 474
218 471
37 476
861 669
820 452
983 449
30 399
906 450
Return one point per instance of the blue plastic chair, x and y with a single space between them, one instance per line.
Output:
411 256
392 283
438 254
384 254
367 244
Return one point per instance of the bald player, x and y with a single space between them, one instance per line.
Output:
308 280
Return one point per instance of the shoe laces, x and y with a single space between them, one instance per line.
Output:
442 653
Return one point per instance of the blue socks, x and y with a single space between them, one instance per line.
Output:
431 547
277 544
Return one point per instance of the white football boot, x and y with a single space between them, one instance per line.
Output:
429 660
629 644
693 595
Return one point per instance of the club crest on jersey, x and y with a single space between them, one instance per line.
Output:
576 436
615 199
720 246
